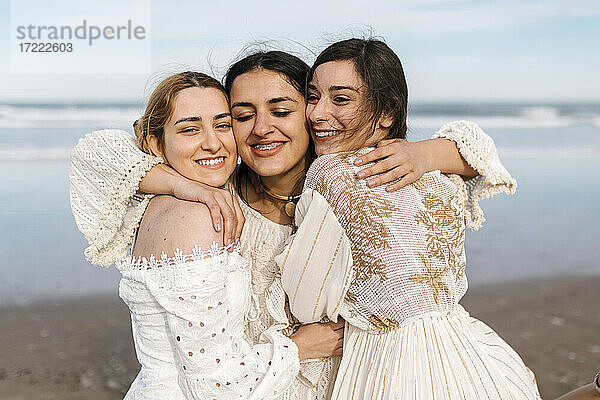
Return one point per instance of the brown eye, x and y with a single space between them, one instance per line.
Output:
281 113
243 118
341 99
190 130
223 126
312 98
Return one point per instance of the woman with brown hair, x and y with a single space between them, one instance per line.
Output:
392 264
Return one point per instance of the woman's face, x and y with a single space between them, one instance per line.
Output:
198 141
337 108
269 123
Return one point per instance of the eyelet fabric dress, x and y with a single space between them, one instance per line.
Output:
189 316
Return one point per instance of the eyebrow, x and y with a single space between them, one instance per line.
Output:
281 99
241 104
195 119
186 119
223 115
334 88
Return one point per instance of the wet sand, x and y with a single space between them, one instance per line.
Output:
82 348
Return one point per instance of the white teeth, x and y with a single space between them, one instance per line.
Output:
211 162
263 147
326 133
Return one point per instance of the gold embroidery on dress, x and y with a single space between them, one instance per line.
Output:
362 222
433 278
383 325
445 232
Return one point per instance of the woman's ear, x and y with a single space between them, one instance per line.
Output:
385 121
154 146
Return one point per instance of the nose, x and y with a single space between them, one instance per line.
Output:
262 124
211 142
317 113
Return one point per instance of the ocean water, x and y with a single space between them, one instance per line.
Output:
548 228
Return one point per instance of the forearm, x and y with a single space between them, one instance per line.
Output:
444 156
161 179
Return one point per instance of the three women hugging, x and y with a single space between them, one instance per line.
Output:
328 264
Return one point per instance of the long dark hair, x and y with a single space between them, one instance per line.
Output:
295 72
381 70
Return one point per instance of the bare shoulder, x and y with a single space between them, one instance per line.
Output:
170 224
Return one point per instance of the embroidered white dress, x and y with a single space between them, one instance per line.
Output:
188 316
393 266
107 166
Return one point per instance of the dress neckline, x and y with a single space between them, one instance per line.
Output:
259 216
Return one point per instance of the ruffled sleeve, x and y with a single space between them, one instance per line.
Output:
213 358
106 168
479 151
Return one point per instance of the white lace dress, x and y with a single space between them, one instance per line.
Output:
393 266
189 316
107 166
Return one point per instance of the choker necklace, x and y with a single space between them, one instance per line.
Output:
290 205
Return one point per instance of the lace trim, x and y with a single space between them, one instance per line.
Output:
479 150
114 232
197 254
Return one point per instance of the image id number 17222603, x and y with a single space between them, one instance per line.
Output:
46 47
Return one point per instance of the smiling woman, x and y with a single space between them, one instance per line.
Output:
189 295
197 138
390 264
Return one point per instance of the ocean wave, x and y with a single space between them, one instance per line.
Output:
20 154
488 121
554 152
426 116
66 117
506 152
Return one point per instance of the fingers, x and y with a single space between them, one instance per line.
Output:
336 325
393 168
339 348
241 220
406 180
229 219
215 212
373 155
389 176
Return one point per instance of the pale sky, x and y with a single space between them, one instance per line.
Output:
471 50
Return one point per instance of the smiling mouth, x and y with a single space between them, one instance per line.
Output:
265 147
322 134
212 162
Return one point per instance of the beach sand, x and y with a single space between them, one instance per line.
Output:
82 349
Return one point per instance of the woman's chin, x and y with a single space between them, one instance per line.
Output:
324 149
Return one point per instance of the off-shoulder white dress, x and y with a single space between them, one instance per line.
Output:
107 166
393 266
189 315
